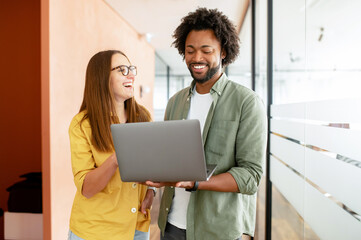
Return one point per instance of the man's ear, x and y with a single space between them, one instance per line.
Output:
223 54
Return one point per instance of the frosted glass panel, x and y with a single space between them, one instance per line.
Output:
328 220
288 129
289 152
325 172
315 146
288 183
346 142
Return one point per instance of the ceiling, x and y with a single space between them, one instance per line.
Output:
320 25
157 19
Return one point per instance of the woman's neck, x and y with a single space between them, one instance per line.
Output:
120 108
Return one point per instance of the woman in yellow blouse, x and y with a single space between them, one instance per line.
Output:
105 207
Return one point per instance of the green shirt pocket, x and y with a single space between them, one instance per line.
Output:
221 139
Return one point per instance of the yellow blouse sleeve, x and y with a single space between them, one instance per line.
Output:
82 160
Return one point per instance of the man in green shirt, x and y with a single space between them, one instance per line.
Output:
234 134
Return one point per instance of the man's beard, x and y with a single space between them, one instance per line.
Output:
209 74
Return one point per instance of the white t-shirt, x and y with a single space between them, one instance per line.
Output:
200 104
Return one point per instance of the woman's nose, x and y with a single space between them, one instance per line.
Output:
130 75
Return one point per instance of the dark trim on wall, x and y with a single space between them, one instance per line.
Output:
168 81
253 48
253 44
269 103
167 73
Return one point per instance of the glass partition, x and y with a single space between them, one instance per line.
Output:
315 120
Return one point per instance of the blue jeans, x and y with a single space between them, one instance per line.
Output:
137 236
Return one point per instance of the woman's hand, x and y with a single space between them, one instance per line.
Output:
147 202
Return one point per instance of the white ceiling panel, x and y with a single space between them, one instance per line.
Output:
157 19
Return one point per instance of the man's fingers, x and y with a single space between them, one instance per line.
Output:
185 184
142 209
162 184
157 185
151 184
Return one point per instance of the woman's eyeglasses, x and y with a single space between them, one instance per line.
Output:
125 69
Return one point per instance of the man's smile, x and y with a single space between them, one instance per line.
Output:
198 67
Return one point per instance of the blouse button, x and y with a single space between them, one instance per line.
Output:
167 209
133 210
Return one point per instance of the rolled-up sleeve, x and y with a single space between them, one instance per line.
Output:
82 160
250 149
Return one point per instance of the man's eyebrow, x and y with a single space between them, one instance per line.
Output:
203 46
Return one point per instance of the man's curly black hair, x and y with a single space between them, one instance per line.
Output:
209 19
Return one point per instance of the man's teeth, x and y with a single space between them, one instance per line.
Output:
199 66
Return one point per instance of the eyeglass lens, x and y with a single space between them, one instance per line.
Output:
125 70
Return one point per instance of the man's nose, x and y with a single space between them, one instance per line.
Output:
198 56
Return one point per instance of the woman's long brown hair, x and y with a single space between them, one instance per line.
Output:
98 101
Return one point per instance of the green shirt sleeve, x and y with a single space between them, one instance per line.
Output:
250 147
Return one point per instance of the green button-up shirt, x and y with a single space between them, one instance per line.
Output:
234 137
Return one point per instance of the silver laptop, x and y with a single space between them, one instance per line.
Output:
169 151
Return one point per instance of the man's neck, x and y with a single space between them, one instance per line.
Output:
203 88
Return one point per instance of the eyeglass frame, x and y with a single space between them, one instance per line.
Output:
128 69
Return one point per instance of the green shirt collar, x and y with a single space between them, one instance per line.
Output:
218 87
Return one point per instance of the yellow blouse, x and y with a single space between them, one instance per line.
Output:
114 212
